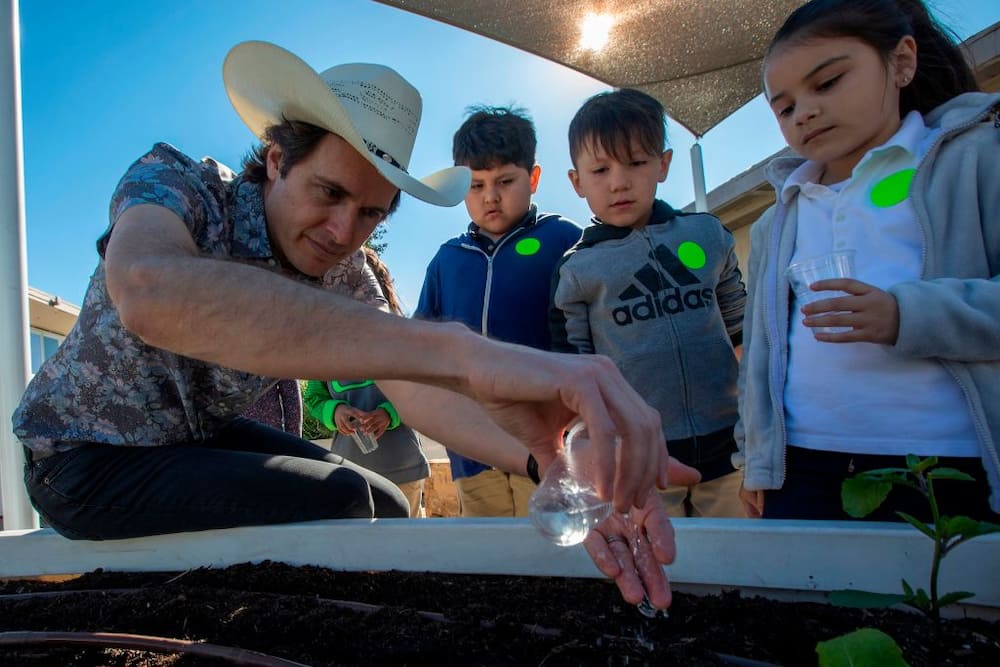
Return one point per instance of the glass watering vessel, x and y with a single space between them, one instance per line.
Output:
566 505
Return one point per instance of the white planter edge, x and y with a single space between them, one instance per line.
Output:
756 556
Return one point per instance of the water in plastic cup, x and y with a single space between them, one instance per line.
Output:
801 275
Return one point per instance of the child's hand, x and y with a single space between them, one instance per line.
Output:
376 422
343 416
871 313
753 502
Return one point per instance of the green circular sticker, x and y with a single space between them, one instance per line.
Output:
528 246
892 189
691 255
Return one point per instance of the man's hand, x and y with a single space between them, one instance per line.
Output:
633 548
534 396
871 313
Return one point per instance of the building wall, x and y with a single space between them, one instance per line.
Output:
50 319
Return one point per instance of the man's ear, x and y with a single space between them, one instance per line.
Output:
574 179
534 175
273 162
665 159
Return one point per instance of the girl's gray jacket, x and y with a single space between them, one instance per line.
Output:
952 314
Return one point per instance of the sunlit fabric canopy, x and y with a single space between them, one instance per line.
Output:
701 58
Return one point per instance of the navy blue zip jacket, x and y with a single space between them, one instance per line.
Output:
498 288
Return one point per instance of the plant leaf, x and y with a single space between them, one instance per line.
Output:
918 524
884 474
966 528
950 473
920 600
862 496
907 589
864 599
918 465
952 598
866 647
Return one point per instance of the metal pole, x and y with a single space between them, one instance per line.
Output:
14 351
698 174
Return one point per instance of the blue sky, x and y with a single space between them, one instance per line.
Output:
102 80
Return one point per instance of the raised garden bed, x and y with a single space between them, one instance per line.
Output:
310 615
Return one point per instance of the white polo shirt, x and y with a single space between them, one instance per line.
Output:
861 397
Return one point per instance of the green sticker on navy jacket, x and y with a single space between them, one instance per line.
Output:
892 189
691 255
528 246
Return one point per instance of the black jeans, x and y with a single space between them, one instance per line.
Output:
813 479
249 474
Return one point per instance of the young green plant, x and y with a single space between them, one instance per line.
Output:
863 494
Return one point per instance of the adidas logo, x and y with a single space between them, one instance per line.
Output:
661 295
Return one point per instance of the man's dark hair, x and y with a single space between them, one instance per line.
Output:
494 136
614 119
297 141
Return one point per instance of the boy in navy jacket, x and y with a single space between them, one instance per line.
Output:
495 277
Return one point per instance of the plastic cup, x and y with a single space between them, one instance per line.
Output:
364 440
801 275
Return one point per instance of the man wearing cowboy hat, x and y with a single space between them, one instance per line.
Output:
209 289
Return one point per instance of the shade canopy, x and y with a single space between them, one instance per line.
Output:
700 58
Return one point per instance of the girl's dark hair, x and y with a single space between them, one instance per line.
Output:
381 272
613 119
942 71
297 141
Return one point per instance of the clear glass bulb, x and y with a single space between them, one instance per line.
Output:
566 505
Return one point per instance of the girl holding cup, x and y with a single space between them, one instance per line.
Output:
901 168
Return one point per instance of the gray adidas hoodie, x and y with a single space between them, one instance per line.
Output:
665 303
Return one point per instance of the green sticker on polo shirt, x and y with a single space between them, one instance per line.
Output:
691 255
528 246
892 189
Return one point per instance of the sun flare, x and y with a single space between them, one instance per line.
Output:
595 30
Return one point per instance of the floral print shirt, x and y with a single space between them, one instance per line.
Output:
104 384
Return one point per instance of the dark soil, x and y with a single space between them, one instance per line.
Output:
290 612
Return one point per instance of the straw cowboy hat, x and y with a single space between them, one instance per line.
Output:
371 107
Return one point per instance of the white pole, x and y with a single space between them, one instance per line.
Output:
698 174
14 354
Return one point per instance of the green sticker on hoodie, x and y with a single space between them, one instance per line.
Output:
892 189
528 246
691 255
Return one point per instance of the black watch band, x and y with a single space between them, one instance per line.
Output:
532 469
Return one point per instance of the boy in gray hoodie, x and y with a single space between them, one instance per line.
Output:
656 290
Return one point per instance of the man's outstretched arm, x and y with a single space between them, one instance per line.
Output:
243 317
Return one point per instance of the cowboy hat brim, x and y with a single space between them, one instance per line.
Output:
267 84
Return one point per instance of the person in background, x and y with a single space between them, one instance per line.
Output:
494 278
343 406
899 164
656 290
280 407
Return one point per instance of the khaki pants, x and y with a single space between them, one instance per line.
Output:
494 493
413 491
718 498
